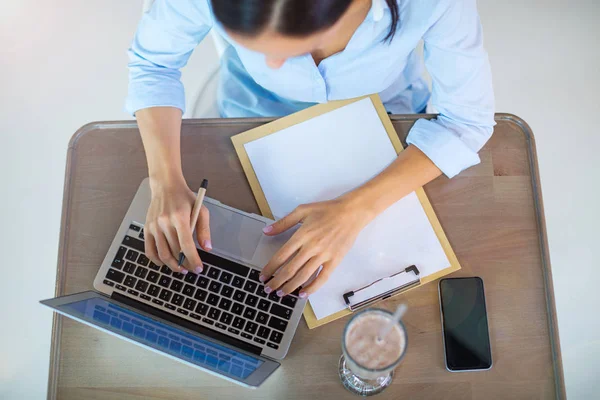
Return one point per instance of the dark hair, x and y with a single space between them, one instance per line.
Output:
288 17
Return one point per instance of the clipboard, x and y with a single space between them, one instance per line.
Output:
241 139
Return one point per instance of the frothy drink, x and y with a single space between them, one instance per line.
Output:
366 348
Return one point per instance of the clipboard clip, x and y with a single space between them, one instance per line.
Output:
364 303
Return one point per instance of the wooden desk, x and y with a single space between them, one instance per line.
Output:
492 214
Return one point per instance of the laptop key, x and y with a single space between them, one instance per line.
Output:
118 261
237 281
154 266
188 290
214 313
145 297
273 346
133 292
213 273
245 335
261 291
141 286
190 278
249 313
153 276
280 311
276 337
263 305
177 299
259 340
156 301
170 306
178 275
123 288
129 267
251 300
189 304
203 282
208 321
214 287
273 297
132 255
289 301
250 286
254 274
165 270
239 295
212 299
263 332
226 291
114 275
129 281
218 325
200 294
195 316
277 323
133 243
262 317
164 281
176 285
134 227
165 295
143 260
226 277
226 318
154 290
237 309
182 311
108 283
201 308
234 331
224 304
238 323
251 327
141 272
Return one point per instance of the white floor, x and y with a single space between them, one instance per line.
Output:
63 64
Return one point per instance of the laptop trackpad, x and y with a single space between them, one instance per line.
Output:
233 233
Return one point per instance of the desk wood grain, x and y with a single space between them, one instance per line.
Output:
492 214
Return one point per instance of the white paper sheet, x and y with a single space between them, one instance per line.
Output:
324 157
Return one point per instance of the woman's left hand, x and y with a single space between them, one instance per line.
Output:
328 231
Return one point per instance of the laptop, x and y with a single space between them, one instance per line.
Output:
220 321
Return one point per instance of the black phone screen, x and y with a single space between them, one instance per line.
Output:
465 325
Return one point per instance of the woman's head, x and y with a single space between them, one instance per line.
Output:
287 28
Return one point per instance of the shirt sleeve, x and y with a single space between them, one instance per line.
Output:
163 43
462 90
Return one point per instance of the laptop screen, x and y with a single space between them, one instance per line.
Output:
165 338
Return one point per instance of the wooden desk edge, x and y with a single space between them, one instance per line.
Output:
537 198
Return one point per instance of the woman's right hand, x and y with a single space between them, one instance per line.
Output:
167 230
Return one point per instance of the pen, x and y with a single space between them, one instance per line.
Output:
195 213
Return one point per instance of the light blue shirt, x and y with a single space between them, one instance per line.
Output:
453 53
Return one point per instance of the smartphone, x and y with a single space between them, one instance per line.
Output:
465 329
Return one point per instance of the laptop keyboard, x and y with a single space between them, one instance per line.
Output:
228 296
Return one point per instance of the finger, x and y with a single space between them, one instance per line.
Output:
281 257
203 229
319 280
165 254
188 247
289 271
286 222
150 248
301 277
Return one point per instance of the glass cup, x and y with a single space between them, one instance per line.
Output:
367 364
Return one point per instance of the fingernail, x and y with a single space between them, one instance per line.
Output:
262 278
268 289
207 245
268 228
184 271
198 270
280 293
303 295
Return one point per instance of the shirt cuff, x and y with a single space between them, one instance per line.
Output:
157 95
442 146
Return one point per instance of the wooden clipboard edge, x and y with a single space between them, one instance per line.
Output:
301 116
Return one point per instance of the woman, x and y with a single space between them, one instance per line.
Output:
285 55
